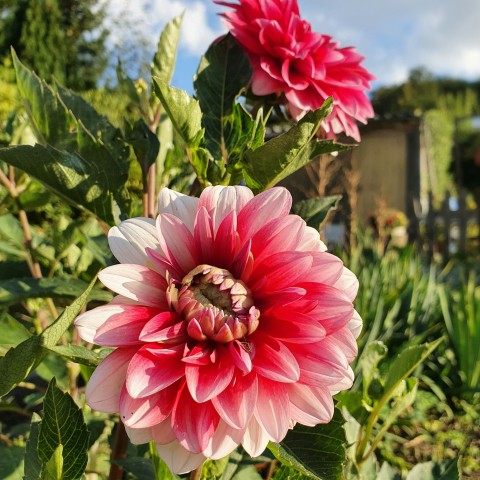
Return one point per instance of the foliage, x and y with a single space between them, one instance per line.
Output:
96 159
73 29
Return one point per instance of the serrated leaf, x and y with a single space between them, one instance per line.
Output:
80 354
52 334
22 359
17 289
18 362
33 466
183 110
163 63
223 72
315 210
63 425
83 158
317 452
283 155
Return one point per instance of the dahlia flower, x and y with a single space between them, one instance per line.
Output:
232 323
289 59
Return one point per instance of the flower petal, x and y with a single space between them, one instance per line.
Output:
154 368
255 440
207 381
129 240
235 403
310 405
136 282
182 206
106 383
123 327
178 459
272 409
193 423
274 360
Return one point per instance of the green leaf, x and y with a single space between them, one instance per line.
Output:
405 363
138 468
12 332
283 155
19 362
63 425
33 466
145 144
52 334
315 210
11 462
83 158
371 356
213 469
183 110
11 230
80 354
434 471
223 72
17 289
163 63
53 469
317 452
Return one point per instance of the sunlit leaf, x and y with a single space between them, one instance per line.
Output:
63 426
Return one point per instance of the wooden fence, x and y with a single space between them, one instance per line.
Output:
448 229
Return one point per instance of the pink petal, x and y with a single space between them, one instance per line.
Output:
226 240
263 208
280 235
163 432
272 409
193 423
311 241
220 201
310 405
176 242
224 441
207 381
297 329
154 368
139 435
166 327
348 284
105 384
255 440
178 459
129 240
136 282
345 340
240 356
182 206
123 327
148 411
355 324
274 360
280 270
235 404
203 236
326 268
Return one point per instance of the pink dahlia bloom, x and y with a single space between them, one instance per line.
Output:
288 58
231 325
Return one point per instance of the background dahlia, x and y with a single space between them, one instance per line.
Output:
289 59
231 324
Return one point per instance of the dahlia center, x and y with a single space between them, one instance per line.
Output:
215 305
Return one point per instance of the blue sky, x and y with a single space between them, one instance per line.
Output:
394 36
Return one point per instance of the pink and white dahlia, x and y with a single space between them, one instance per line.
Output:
289 59
232 323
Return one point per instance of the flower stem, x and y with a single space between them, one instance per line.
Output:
119 451
197 473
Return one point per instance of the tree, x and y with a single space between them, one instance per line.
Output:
64 38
